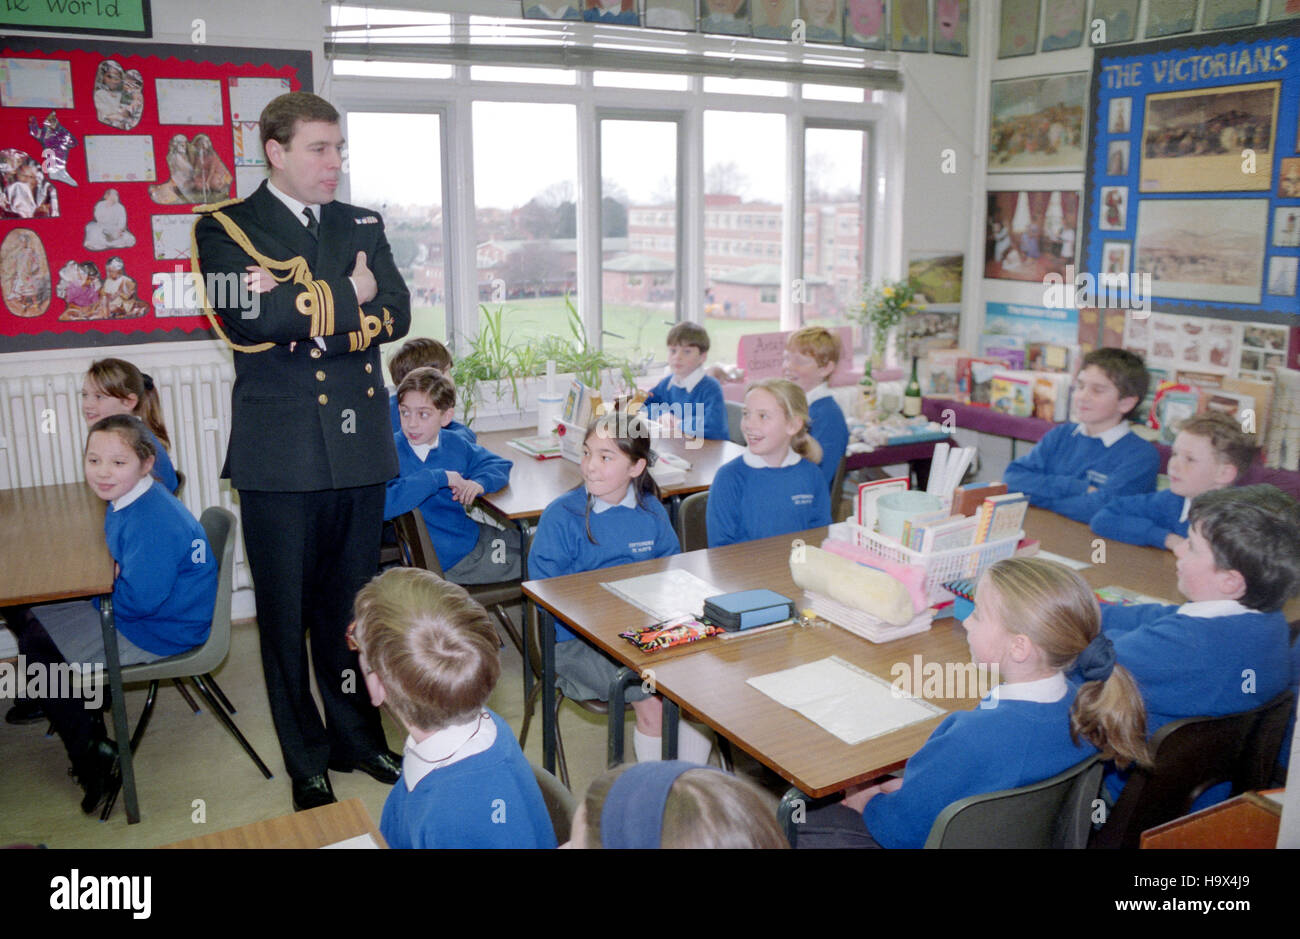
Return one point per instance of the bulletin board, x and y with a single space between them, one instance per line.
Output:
105 149
1193 173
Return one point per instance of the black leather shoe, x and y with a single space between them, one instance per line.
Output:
312 792
96 773
384 766
25 711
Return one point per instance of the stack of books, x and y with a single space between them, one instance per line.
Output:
1001 517
863 624
542 447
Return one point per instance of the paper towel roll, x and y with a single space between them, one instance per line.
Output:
549 409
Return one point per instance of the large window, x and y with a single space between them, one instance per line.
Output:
833 232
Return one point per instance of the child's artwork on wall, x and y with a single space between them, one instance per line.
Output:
772 19
24 273
911 26
864 25
551 10
1169 17
670 14
1229 14
1063 24
119 95
1018 33
1118 21
620 12
824 19
730 17
951 27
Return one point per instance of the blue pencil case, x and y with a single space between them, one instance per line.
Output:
748 609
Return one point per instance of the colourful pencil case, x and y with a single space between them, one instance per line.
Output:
674 632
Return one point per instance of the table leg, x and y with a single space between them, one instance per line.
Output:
624 680
548 691
671 716
120 729
528 608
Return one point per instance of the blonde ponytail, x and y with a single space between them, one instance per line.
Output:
795 405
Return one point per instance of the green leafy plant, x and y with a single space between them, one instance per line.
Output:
884 306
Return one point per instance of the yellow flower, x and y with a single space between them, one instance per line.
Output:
888 291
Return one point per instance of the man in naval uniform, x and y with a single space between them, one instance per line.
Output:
311 446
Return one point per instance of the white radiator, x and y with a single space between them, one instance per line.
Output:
42 433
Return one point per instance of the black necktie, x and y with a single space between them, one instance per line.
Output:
313 225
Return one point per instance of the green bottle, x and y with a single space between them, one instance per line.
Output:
912 395
868 386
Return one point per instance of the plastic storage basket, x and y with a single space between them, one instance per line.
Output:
941 567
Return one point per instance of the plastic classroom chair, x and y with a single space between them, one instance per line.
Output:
560 803
417 551
1190 756
1055 813
692 531
197 664
735 410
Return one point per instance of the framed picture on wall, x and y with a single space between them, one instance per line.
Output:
670 14
864 24
1229 14
730 17
1029 235
1063 24
1279 10
824 19
951 26
911 25
1118 21
1203 249
1036 124
1193 141
772 19
1018 28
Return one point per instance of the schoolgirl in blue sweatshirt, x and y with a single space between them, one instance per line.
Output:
115 386
775 486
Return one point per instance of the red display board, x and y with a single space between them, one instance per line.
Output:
105 149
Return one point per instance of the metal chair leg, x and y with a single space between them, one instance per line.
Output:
221 695
136 737
199 680
561 764
529 705
180 686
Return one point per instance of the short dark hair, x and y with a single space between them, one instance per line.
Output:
416 353
283 114
1255 531
432 383
131 429
1125 370
687 333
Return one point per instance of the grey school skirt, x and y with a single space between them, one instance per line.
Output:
75 629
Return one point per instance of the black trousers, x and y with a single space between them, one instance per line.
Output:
309 554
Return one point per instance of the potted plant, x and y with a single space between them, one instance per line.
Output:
884 308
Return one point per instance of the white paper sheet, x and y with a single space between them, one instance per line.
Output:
1071 563
841 698
171 236
35 83
248 96
357 841
119 158
247 179
189 101
666 594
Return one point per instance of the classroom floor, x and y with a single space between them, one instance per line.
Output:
193 778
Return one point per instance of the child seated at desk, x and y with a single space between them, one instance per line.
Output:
614 518
442 474
774 487
115 386
1076 469
164 590
1033 618
1227 649
688 398
811 357
421 352
429 653
1210 452
674 804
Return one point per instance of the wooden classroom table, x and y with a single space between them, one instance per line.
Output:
708 678
52 548
535 484
313 828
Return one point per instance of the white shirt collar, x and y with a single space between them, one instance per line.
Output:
821 391
422 450
628 502
136 492
293 204
1109 437
1043 691
757 462
690 381
1208 609
1187 507
445 747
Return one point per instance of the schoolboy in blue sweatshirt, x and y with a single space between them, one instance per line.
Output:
1076 469
689 399
1210 452
442 474
811 357
1227 650
421 352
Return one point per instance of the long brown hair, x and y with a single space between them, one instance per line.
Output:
1051 604
121 379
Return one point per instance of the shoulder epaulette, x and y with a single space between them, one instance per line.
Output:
213 206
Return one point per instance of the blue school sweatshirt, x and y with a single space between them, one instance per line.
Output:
1056 474
1146 519
748 502
1014 743
624 533
456 427
166 588
1199 666
163 469
488 800
831 431
702 410
423 484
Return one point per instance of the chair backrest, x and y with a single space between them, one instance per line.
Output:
837 488
692 527
1191 756
1054 813
180 484
735 410
417 547
560 803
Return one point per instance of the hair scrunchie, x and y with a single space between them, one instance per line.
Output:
633 816
1097 660
148 381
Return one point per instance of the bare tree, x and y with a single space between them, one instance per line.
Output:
725 179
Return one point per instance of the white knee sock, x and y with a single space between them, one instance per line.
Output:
645 747
693 746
